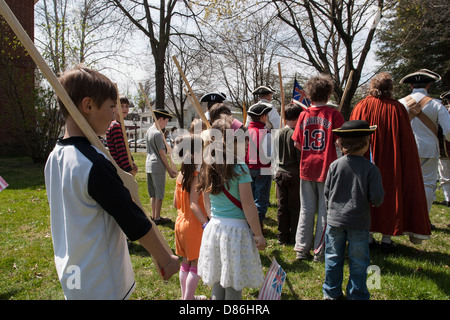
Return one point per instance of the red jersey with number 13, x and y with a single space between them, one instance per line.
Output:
315 136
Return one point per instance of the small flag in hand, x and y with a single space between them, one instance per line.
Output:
299 95
273 283
3 184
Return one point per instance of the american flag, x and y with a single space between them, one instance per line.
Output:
273 283
300 95
3 184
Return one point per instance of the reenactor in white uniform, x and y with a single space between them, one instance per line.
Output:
426 115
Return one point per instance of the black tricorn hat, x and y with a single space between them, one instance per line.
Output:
259 109
162 113
421 76
264 90
213 97
355 128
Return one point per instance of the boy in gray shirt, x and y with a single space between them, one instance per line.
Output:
156 165
353 184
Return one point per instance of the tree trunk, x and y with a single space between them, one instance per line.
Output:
159 79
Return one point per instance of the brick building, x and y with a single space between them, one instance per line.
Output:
16 78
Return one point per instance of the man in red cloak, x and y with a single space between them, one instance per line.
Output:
394 151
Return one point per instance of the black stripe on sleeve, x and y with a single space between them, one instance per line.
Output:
106 187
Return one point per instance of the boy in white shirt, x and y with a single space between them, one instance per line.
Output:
92 212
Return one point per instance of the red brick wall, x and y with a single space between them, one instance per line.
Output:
23 73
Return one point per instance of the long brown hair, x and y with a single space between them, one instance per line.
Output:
185 149
216 175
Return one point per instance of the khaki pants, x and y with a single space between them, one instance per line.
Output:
429 173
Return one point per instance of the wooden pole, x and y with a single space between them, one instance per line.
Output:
282 118
197 106
127 178
347 87
244 113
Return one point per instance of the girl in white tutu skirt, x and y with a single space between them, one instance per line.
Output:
229 259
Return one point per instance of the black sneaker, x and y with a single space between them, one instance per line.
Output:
161 221
300 255
388 248
373 244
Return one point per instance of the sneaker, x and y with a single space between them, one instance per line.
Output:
388 248
319 257
161 221
373 244
302 255
341 297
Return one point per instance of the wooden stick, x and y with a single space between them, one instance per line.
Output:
122 125
168 148
347 87
197 106
282 118
244 113
127 178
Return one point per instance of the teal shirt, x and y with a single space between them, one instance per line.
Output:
221 206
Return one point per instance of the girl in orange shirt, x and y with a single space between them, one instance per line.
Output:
192 217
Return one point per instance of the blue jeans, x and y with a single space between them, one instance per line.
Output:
359 261
261 191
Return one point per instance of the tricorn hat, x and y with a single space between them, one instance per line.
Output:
355 128
259 109
421 76
264 90
213 97
162 113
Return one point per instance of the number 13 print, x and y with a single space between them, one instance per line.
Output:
313 140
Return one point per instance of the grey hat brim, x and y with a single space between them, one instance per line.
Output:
264 90
445 95
421 76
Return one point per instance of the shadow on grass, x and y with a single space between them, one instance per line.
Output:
21 173
427 263
296 266
8 295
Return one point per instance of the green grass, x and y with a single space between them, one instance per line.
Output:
27 269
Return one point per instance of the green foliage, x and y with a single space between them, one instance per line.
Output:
415 36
